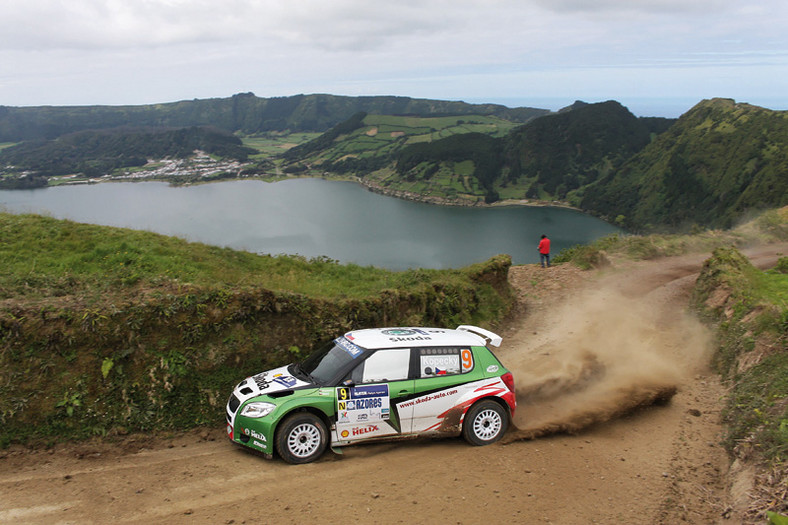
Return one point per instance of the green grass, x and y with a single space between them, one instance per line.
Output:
271 144
773 287
41 257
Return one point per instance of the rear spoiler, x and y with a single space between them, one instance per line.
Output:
494 339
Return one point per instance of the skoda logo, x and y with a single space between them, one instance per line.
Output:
398 332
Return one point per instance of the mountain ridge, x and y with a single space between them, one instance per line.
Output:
240 113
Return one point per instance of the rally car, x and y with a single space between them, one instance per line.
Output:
376 384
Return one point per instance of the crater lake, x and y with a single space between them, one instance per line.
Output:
317 218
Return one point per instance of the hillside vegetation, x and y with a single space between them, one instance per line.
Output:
95 153
106 330
750 310
718 161
242 113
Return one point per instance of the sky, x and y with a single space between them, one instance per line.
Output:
657 57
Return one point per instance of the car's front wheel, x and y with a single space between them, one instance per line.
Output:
485 423
302 437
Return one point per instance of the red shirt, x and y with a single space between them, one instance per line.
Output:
544 246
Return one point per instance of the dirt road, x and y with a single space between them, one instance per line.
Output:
585 348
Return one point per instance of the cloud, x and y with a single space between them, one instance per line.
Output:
49 48
338 24
671 7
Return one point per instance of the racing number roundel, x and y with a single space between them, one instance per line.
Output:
467 359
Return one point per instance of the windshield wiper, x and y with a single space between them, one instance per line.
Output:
299 372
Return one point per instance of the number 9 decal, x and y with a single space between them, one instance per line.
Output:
342 394
467 360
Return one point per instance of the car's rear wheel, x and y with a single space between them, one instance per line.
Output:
485 423
302 437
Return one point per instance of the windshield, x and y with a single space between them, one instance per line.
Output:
331 361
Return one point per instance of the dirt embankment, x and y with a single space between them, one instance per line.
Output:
586 350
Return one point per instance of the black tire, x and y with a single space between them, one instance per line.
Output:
485 423
302 437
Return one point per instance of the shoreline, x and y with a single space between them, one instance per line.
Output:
370 186
443 201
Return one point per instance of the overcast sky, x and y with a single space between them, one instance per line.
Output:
657 57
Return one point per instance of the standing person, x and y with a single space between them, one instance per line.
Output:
544 251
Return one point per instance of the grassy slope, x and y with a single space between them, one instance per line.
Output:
106 330
44 257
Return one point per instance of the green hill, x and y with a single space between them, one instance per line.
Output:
470 158
717 162
563 152
365 143
95 153
241 113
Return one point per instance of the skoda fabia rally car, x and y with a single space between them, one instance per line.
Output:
376 384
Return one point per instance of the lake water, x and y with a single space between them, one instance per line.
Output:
314 217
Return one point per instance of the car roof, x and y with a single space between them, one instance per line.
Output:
407 337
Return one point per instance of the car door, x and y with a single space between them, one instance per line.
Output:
369 406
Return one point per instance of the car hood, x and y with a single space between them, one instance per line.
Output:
270 382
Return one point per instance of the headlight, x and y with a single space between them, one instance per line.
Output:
257 409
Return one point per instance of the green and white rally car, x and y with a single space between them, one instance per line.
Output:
376 384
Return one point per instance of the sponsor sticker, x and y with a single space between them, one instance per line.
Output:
360 431
492 369
255 435
348 347
365 403
287 381
369 391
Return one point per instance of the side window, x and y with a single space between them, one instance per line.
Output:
444 361
384 365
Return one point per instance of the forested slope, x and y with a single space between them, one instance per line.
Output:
720 160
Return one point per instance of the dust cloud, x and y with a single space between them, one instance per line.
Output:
601 355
